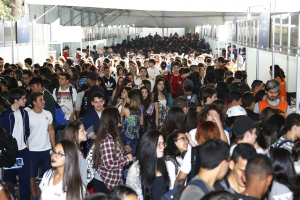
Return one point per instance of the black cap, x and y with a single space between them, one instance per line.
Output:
91 75
243 125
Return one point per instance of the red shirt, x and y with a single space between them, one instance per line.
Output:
176 84
65 54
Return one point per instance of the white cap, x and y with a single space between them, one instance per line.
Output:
236 111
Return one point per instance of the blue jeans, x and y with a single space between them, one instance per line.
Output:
130 142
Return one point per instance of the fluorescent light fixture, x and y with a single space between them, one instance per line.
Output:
102 24
132 24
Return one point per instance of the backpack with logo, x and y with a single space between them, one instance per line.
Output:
177 191
8 149
191 99
239 87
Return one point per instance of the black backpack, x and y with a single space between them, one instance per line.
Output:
8 149
195 162
239 87
83 104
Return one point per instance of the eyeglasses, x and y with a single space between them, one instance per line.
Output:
160 145
182 138
58 155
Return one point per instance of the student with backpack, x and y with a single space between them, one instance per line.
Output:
15 121
214 156
238 85
81 99
65 96
188 87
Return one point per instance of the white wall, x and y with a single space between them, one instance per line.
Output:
167 31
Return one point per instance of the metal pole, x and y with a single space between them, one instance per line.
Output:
61 49
231 55
163 26
288 53
298 82
32 42
218 48
89 41
273 48
12 43
46 12
257 63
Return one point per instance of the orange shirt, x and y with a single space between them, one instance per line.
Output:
281 106
282 92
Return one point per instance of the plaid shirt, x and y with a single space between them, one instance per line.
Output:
111 168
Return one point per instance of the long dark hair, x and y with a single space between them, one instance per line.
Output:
149 162
146 102
284 171
71 132
171 149
155 90
175 120
6 190
276 122
72 183
192 121
108 124
125 81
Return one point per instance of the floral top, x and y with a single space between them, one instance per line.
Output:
133 179
131 124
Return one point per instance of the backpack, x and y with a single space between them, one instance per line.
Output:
195 162
191 99
239 87
8 150
176 192
83 104
278 145
60 117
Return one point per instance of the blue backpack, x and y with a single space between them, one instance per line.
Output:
60 117
176 192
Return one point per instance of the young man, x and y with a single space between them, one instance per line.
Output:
152 70
81 99
191 98
1 65
91 78
272 91
68 63
258 177
214 156
41 139
28 63
92 118
110 82
182 103
26 76
238 85
234 99
65 52
256 86
36 85
16 123
245 132
248 102
233 182
209 95
292 125
222 64
65 96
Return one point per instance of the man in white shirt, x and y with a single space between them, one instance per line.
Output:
65 96
152 70
41 139
16 123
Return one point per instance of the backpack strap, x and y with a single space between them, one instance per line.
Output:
283 142
199 184
175 163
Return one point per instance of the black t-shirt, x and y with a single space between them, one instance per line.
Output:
244 197
224 184
110 84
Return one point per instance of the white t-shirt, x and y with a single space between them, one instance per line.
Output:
64 99
153 72
172 170
79 97
39 139
186 164
18 131
50 191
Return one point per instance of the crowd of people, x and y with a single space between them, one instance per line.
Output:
148 119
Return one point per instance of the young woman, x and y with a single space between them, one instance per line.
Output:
132 119
148 176
149 112
286 182
176 79
160 98
175 120
107 156
143 76
133 70
75 132
175 150
123 99
116 90
64 179
120 73
74 77
281 79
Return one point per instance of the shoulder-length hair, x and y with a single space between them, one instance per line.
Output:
108 124
207 130
125 81
146 102
175 120
155 90
283 169
135 100
149 162
72 183
171 149
71 132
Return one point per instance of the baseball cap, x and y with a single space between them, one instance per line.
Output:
243 125
91 75
187 83
82 82
236 111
